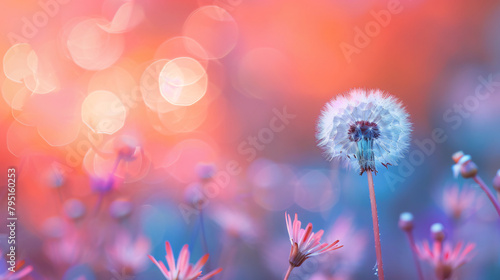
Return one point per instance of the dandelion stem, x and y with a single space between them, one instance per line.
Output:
288 272
488 192
376 230
204 238
411 240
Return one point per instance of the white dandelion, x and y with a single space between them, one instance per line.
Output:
364 128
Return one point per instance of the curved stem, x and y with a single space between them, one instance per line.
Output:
288 272
204 239
411 240
488 192
376 230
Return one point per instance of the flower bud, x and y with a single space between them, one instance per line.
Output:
457 156
464 165
437 232
468 169
194 196
496 181
406 221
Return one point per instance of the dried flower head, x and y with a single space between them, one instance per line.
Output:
444 258
364 128
460 203
406 221
183 270
305 243
463 165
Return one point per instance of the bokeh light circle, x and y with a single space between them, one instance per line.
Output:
127 16
103 112
15 62
183 81
181 46
91 47
314 192
272 184
150 88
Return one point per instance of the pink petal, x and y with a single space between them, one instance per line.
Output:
200 263
211 274
307 233
457 250
183 260
296 228
21 273
427 250
170 257
161 266
289 226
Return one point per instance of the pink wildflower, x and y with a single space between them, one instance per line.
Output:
444 258
305 243
183 270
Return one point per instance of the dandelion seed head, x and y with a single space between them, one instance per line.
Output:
365 129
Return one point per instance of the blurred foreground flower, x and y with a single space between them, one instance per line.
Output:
444 258
128 255
305 243
183 270
69 248
365 129
460 203
7 274
347 261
